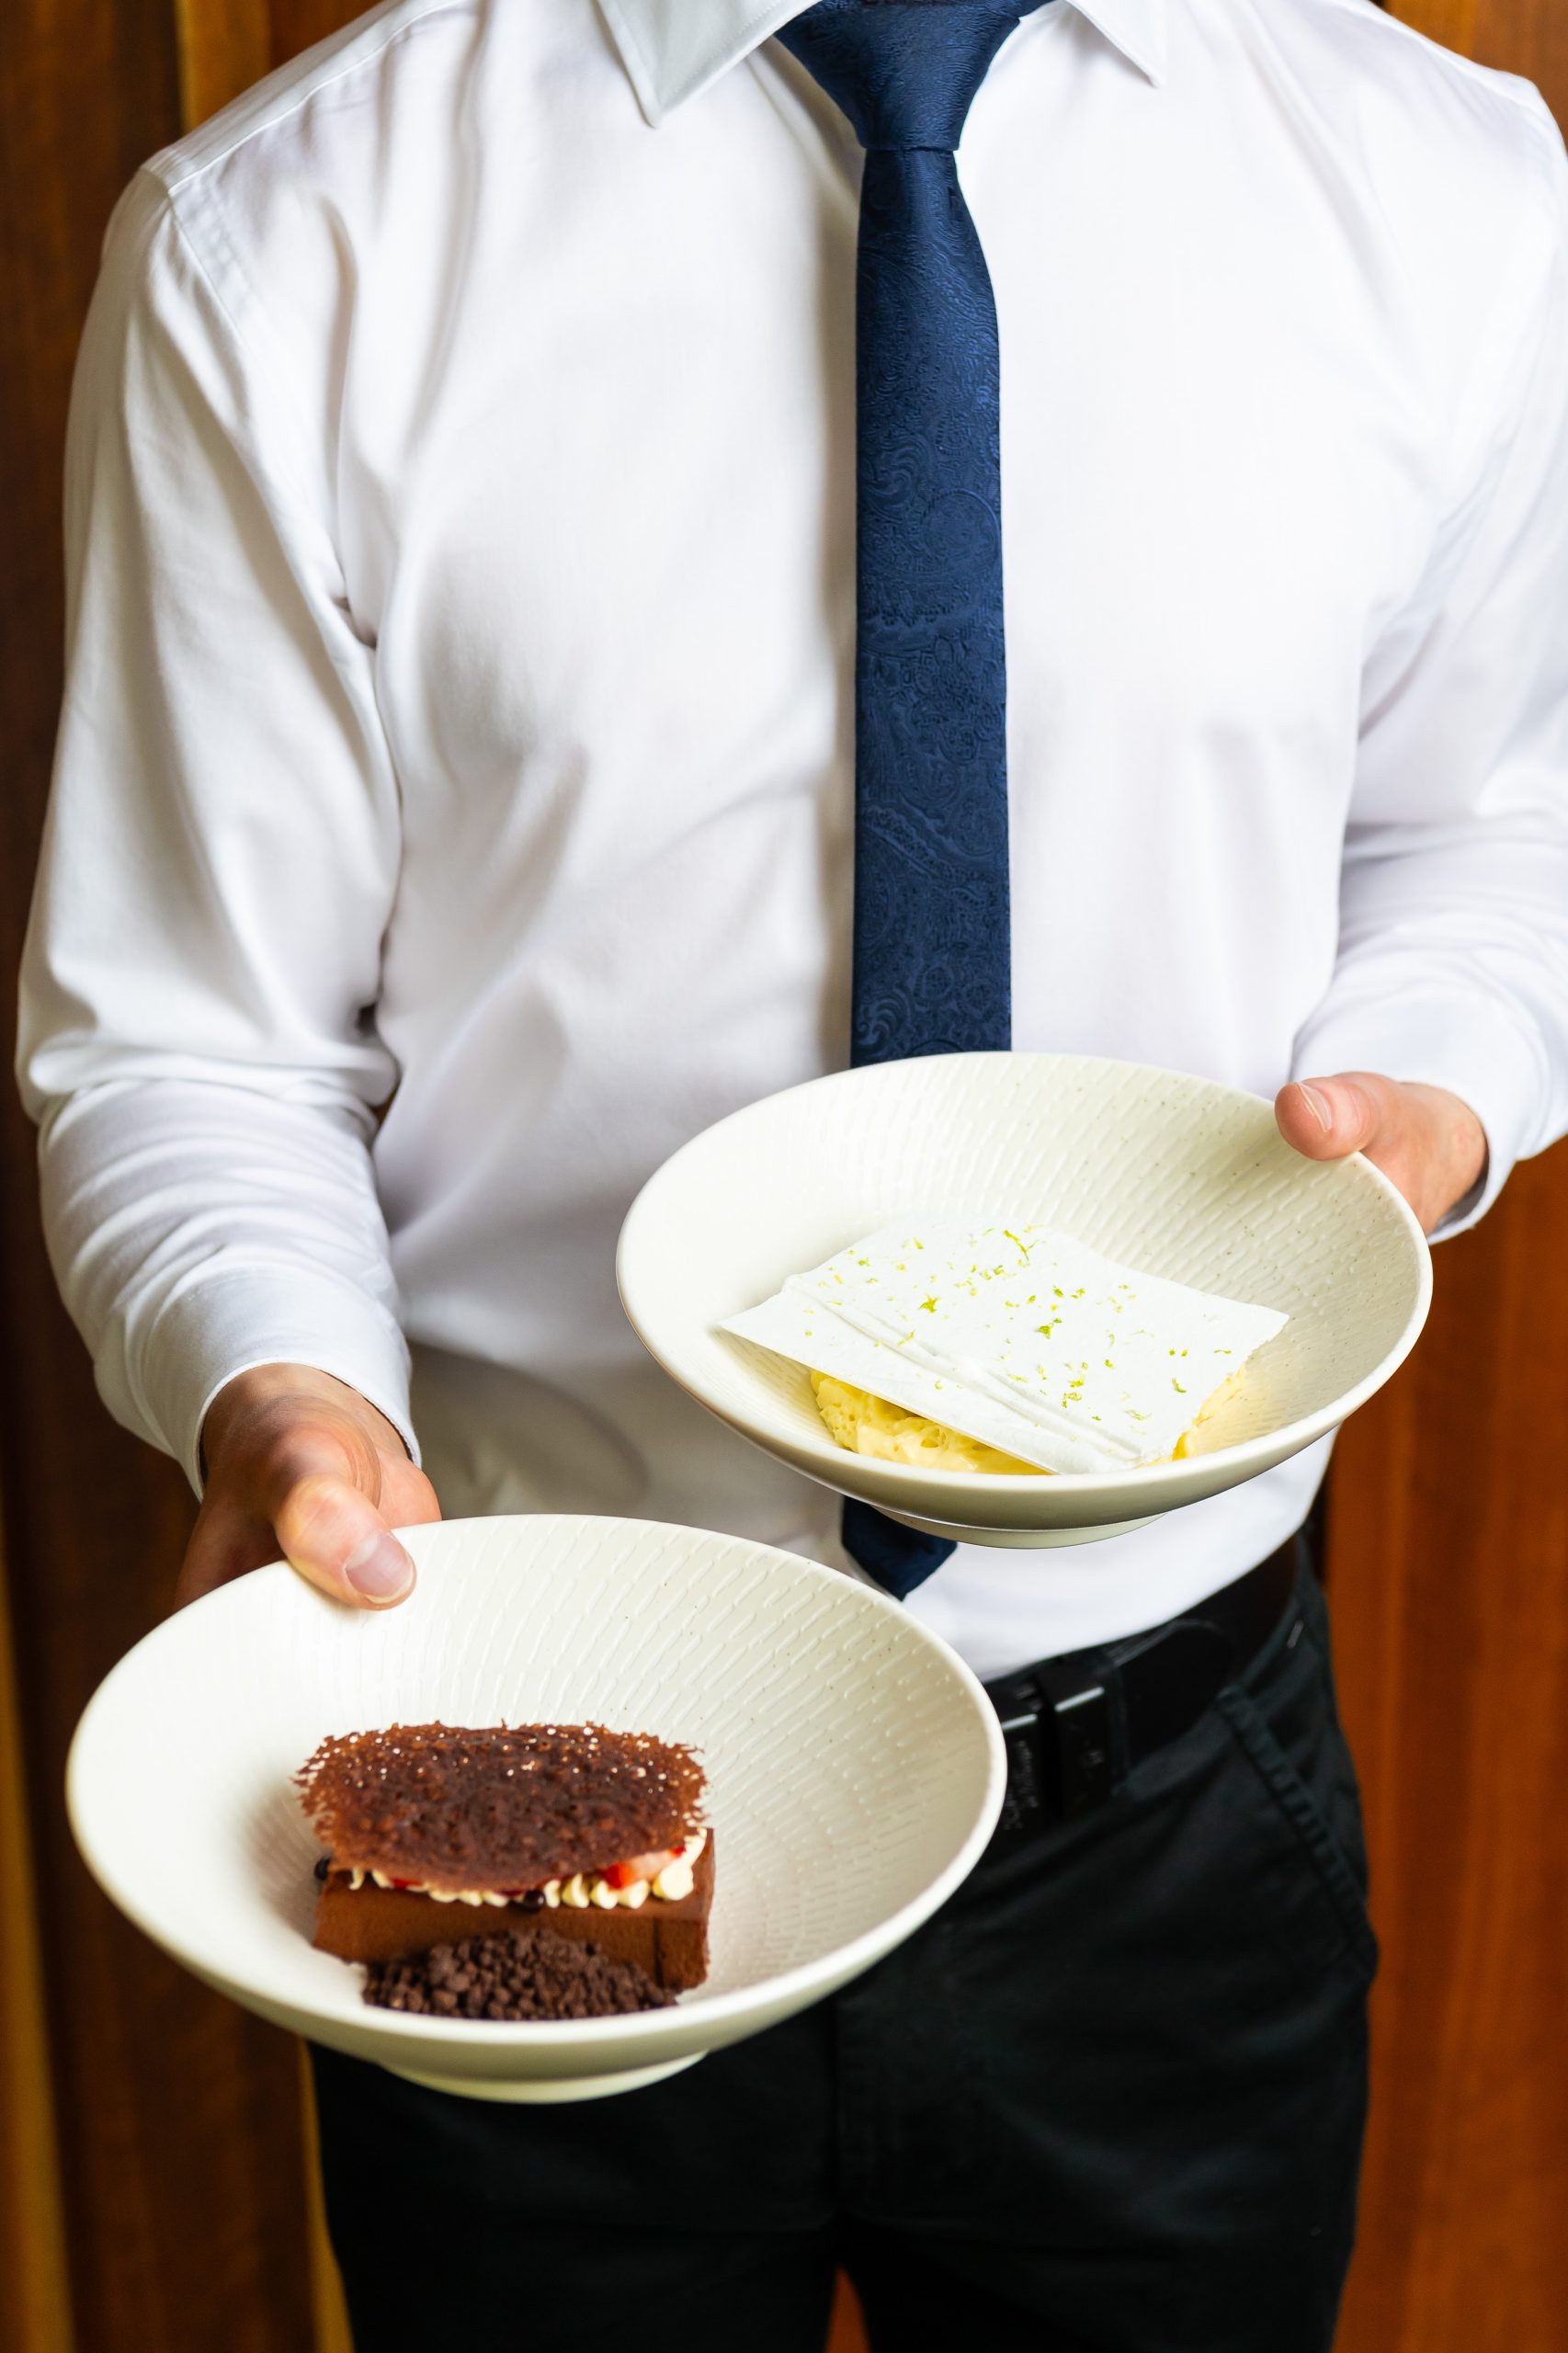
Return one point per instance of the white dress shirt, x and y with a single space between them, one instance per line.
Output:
453 811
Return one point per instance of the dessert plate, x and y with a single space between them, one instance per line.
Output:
1169 1174
855 1772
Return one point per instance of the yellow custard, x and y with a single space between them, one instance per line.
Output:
862 1424
866 1424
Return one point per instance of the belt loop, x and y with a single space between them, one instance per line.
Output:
1085 1721
1064 1722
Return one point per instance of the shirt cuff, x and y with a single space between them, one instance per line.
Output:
1462 1040
222 1325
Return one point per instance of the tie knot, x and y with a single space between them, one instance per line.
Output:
904 71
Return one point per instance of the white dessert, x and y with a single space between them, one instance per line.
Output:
1017 1337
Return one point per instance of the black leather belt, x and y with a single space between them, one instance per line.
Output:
1076 1725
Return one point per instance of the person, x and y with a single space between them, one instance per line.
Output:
455 812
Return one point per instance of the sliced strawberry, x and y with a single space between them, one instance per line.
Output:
650 1865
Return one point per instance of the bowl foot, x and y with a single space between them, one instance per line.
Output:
1016 1540
547 2088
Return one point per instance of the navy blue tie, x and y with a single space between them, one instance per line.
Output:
932 960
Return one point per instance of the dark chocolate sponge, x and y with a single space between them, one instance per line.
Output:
501 1807
667 1938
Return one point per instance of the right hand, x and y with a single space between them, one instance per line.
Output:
301 1466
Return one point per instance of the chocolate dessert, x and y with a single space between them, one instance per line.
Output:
438 1834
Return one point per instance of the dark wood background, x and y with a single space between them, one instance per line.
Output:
155 2194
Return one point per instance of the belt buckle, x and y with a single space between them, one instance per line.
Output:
1061 1755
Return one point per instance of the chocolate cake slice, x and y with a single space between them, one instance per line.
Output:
437 1833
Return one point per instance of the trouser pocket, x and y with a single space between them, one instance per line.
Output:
1309 1781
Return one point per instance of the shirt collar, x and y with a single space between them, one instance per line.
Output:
674 48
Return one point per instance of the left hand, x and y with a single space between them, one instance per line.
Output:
1425 1139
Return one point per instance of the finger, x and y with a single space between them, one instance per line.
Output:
1326 1119
224 1544
330 1530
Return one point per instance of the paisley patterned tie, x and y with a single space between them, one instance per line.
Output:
932 964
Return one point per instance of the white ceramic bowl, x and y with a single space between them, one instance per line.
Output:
1173 1174
856 1771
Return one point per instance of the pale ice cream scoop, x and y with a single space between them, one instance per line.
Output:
1017 1336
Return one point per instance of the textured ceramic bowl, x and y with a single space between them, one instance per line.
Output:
1171 1174
855 1770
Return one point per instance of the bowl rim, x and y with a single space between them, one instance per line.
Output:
785 1991
917 1487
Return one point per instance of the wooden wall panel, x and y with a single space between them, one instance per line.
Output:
177 2116
224 46
35 2299
1449 1547
297 23
1528 37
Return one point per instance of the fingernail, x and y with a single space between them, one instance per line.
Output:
1321 1109
379 1569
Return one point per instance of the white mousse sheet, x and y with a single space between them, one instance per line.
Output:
1017 1336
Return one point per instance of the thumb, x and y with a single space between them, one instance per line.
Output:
333 1534
1327 1119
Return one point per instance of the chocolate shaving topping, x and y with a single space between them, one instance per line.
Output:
501 1807
523 1975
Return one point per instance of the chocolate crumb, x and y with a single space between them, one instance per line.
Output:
524 1974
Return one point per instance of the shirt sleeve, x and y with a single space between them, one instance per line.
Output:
1453 956
197 1040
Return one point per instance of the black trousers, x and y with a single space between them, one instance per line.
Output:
1110 2101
